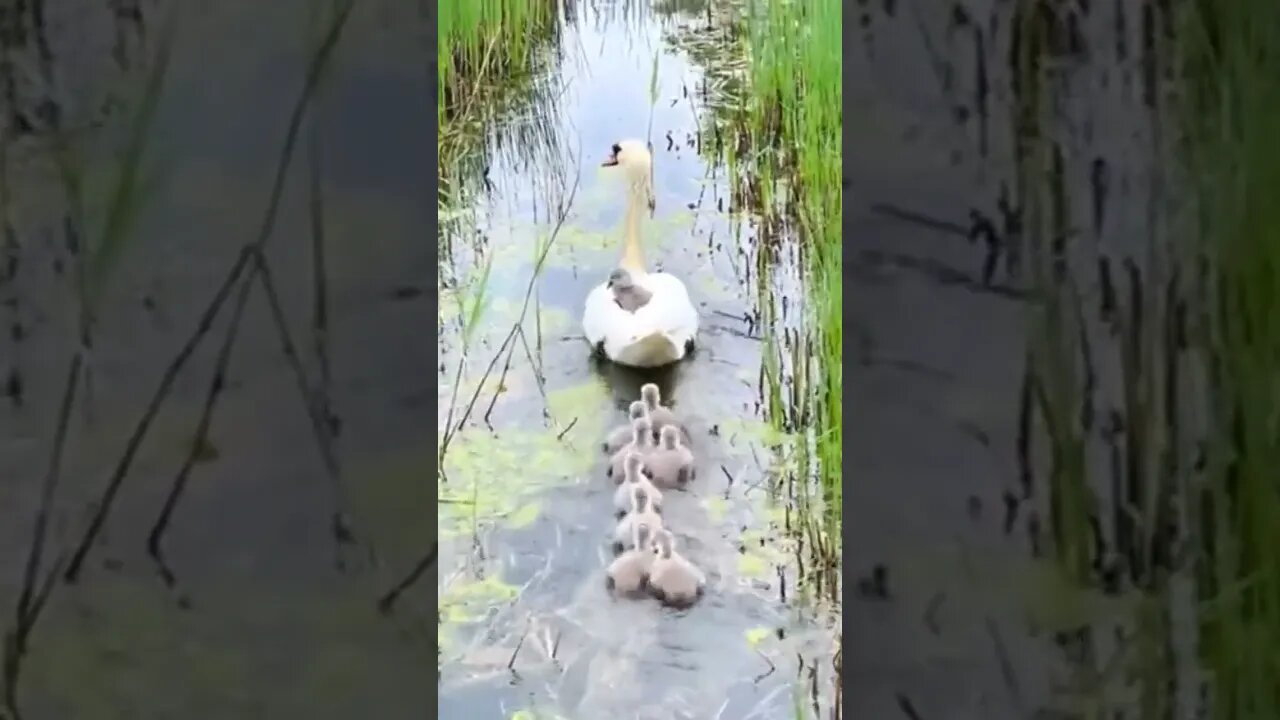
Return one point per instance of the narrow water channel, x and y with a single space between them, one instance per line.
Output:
526 622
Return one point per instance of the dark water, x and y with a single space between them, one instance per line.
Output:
526 510
973 626
272 627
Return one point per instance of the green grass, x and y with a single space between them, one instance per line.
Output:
1224 264
792 147
490 57
484 39
1232 119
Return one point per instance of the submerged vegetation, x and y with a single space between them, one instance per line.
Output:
784 156
1153 382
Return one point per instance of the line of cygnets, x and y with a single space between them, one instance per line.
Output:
648 455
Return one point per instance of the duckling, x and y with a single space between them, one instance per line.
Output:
629 572
626 294
634 477
670 464
641 512
660 416
641 442
623 435
673 579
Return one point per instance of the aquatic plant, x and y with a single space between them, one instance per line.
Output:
1232 120
490 54
104 254
1190 321
788 140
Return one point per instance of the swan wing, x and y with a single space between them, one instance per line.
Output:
673 310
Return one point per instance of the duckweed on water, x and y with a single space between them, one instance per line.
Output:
492 477
127 656
756 636
470 601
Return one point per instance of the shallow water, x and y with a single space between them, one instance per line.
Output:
972 626
270 626
526 510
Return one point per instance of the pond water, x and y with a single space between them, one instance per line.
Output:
949 501
262 622
526 623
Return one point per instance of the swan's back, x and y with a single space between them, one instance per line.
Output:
655 334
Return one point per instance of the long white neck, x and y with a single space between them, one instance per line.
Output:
632 255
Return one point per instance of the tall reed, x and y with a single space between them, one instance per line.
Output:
1232 120
485 47
793 148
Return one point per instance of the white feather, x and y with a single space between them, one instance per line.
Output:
659 332
656 334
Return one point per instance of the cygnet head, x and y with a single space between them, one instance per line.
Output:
641 431
643 535
650 395
639 499
637 410
631 467
634 158
620 279
670 437
663 543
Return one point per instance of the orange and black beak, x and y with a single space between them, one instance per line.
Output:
613 156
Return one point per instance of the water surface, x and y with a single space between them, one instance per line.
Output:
262 622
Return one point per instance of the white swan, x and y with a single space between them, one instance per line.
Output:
661 331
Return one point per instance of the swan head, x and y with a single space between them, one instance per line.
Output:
634 158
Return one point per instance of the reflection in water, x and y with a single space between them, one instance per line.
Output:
1083 406
130 189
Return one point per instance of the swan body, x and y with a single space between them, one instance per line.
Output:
663 329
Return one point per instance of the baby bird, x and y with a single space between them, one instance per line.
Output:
629 572
626 293
659 415
673 579
641 442
623 435
670 465
633 477
641 512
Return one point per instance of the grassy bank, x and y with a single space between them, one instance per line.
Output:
489 54
789 144
1232 54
